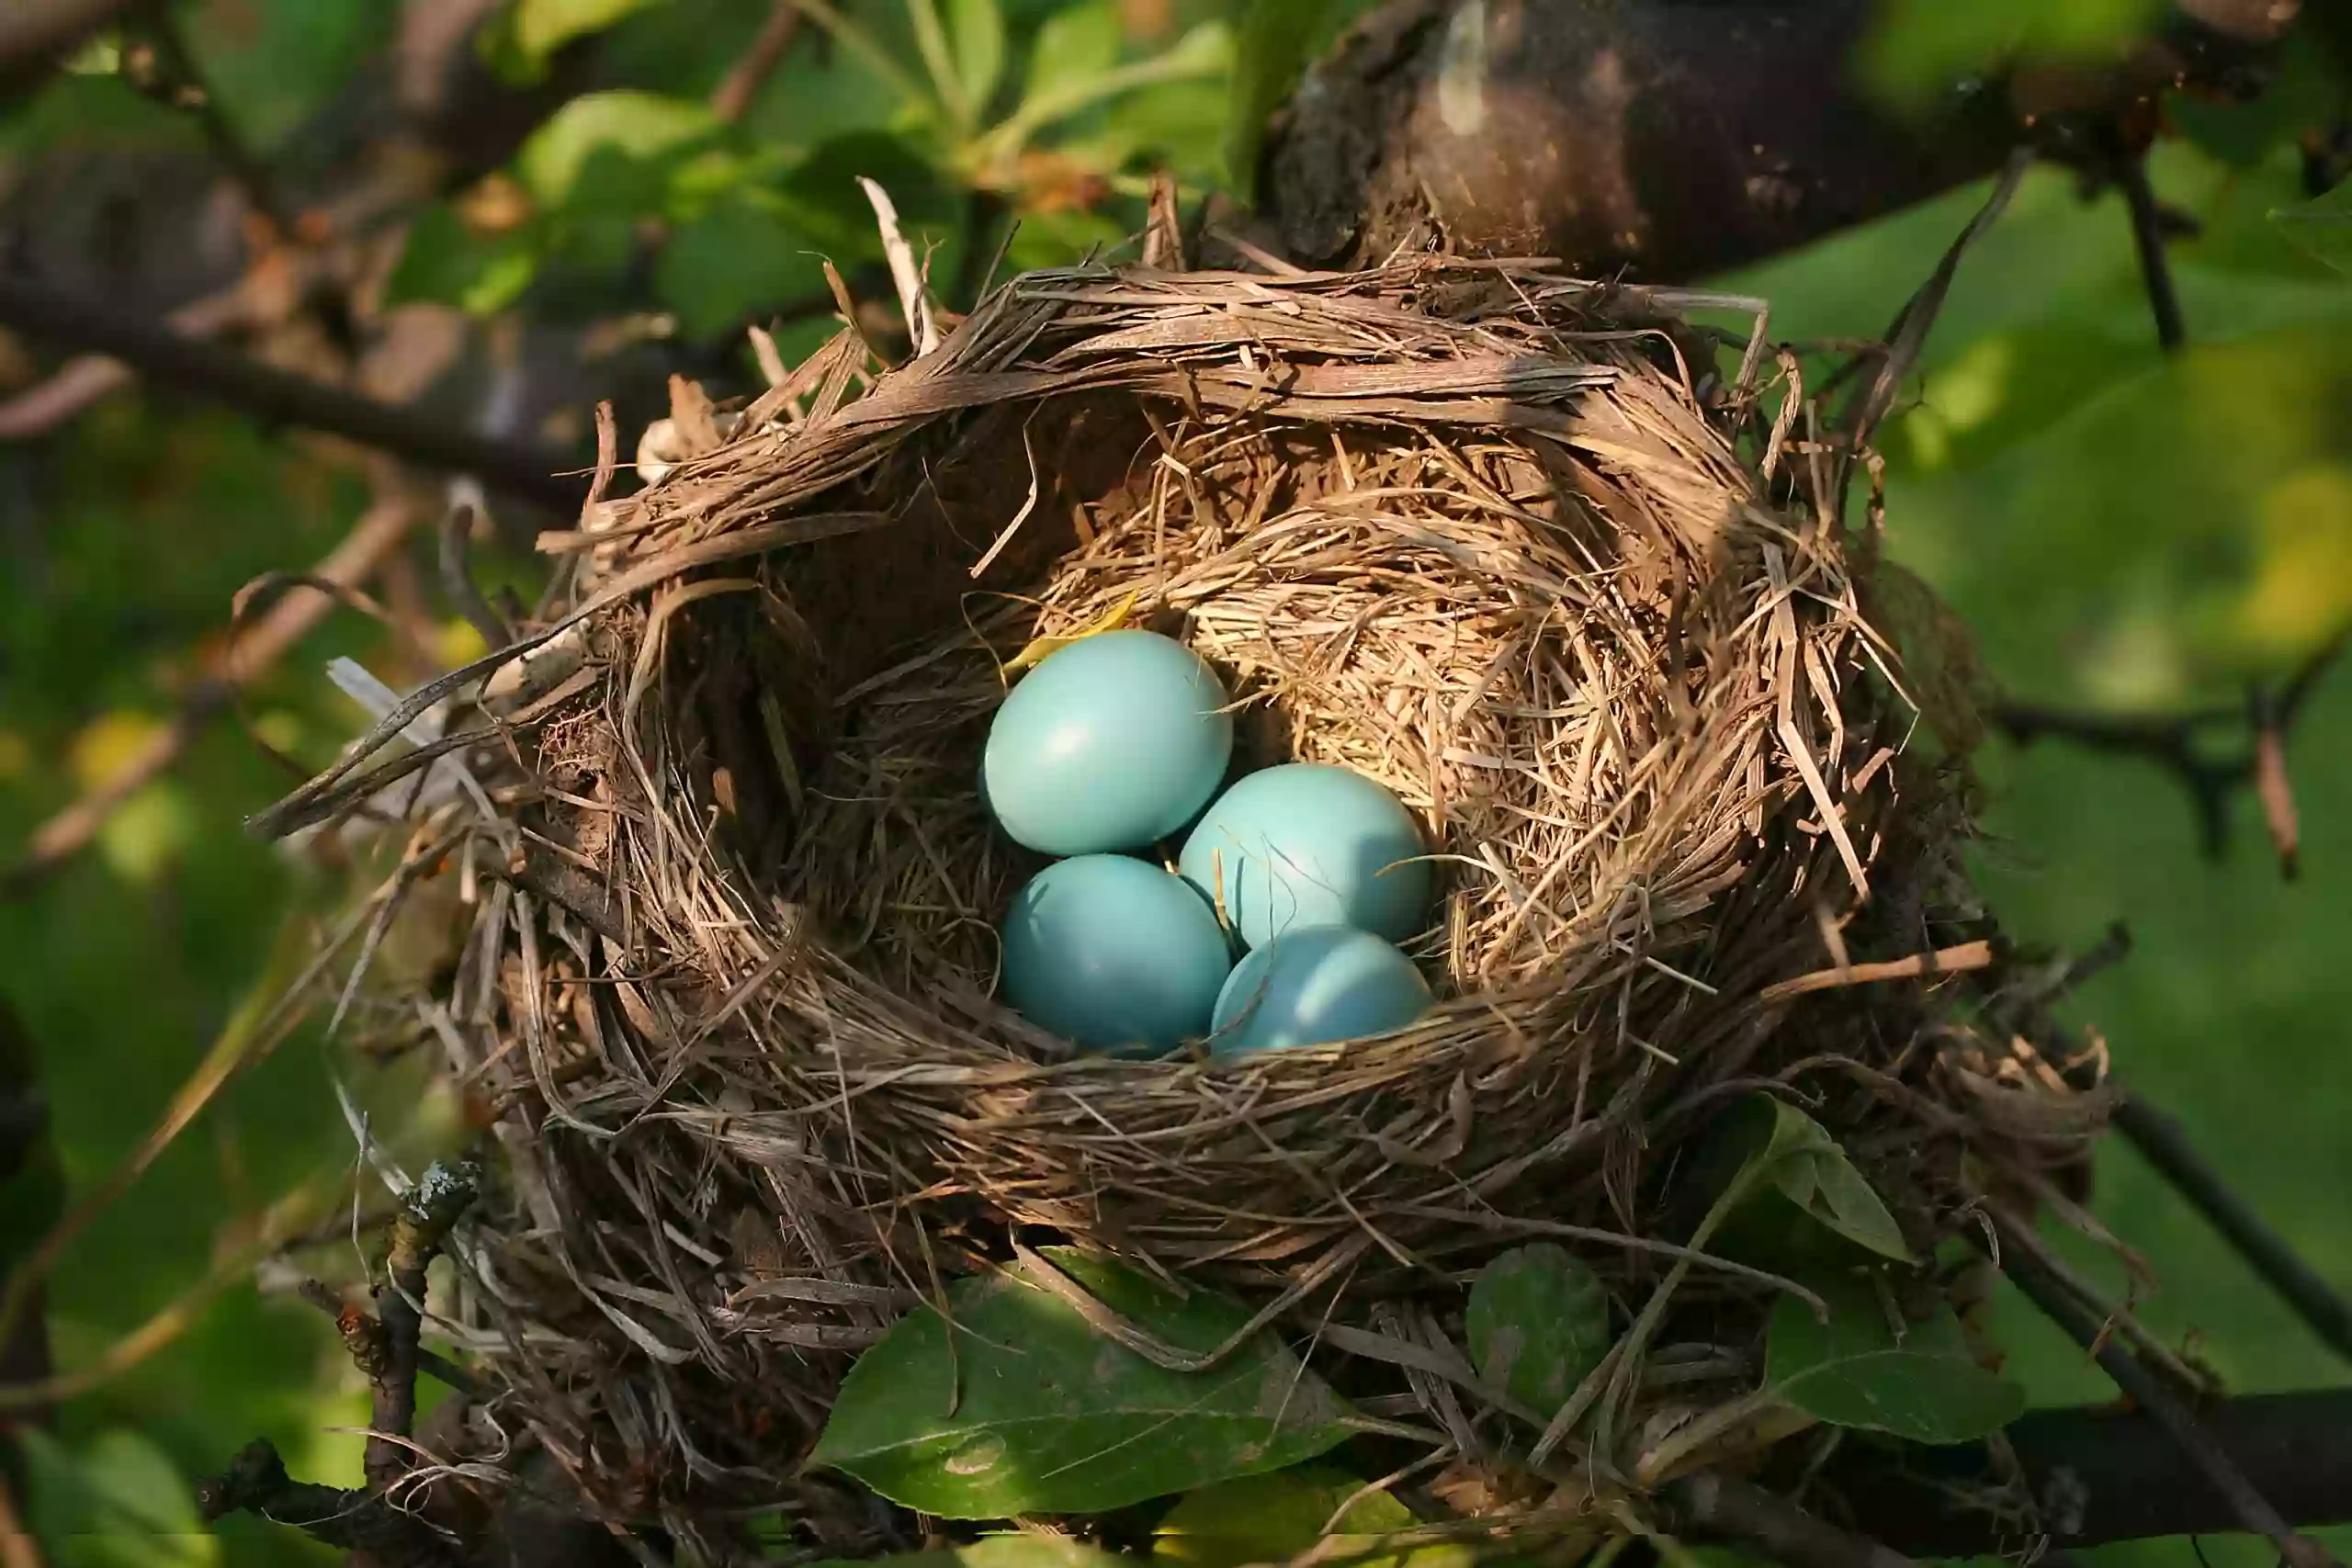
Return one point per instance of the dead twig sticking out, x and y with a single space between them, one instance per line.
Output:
2166 1145
736 92
2178 744
55 843
2253 1511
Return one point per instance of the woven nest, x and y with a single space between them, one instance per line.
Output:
1500 539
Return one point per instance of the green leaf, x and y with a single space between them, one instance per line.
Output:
717 271
2322 227
1271 1519
1918 1382
1919 50
976 38
1538 1322
542 27
114 1502
1777 1151
1030 1410
1073 48
445 263
1021 1551
641 125
1268 57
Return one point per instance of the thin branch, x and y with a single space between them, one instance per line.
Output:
362 1333
2148 239
31 30
2180 744
2164 1144
2248 1507
56 841
256 1482
164 356
163 68
740 87
444 1193
1707 1504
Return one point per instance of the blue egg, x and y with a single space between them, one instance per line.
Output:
1114 955
1309 845
1112 743
1313 984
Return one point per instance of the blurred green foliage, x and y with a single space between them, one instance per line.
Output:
2119 530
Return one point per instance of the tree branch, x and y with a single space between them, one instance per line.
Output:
33 31
444 1193
735 94
273 395
2179 745
2148 241
256 1483
2218 1470
2164 1144
56 841
2096 1475
1711 1505
163 68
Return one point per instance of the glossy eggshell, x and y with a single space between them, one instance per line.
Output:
1111 743
1114 955
1304 844
1313 984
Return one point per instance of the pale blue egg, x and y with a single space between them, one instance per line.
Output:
1313 984
1112 743
1114 955
1304 844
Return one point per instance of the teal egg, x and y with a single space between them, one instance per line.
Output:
1114 955
1313 984
1112 743
1309 845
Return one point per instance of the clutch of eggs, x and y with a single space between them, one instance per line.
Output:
1117 742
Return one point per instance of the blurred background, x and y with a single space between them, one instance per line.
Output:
495 211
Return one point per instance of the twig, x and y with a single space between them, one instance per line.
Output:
2164 1144
167 71
1957 960
735 94
2148 239
33 29
457 577
362 1333
83 380
1712 1504
163 355
442 1194
256 1482
2095 1474
2177 744
56 841
2247 1505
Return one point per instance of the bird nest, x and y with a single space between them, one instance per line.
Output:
1509 543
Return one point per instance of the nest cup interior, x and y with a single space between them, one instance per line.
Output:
1502 560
